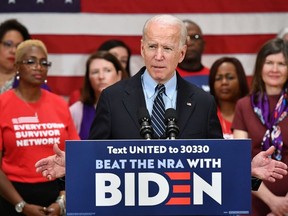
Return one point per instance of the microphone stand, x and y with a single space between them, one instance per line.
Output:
146 130
172 130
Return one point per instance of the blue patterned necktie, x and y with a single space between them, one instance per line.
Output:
158 112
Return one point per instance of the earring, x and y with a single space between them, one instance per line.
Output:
17 75
45 81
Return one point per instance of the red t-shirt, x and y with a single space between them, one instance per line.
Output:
199 78
184 73
226 126
28 132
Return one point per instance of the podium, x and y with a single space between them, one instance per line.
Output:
158 177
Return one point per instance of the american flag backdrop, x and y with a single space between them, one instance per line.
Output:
72 29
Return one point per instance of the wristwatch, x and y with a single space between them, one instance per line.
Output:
255 183
19 206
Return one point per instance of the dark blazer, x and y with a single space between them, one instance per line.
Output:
117 111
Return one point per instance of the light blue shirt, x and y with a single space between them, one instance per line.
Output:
149 85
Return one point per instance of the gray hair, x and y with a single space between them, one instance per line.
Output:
282 32
169 20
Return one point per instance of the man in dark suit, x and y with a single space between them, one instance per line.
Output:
163 46
117 111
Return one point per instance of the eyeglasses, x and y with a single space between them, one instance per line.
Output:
33 62
195 37
9 44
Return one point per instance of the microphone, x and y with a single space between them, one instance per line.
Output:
172 130
146 130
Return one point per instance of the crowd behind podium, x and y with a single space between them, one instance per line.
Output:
257 110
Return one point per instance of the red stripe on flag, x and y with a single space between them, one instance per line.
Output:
215 44
64 85
183 6
235 43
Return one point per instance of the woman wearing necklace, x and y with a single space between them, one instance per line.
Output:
32 120
227 81
262 117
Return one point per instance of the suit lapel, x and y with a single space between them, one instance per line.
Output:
134 97
185 105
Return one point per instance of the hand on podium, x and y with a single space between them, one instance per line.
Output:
53 166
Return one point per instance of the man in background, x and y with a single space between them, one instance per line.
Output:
191 68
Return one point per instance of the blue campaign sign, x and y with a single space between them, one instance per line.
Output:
158 177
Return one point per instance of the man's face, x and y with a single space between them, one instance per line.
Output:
161 50
195 43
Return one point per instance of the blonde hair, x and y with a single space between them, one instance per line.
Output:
20 51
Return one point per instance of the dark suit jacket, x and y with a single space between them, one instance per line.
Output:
117 111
